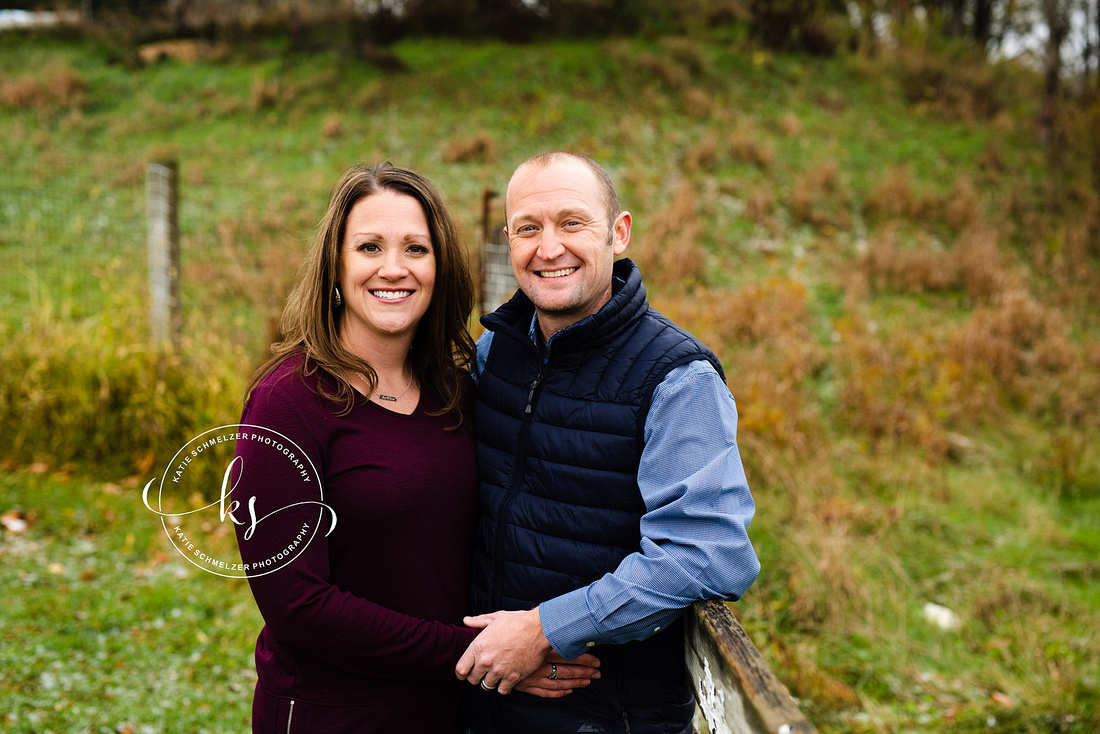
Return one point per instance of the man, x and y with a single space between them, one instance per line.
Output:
612 490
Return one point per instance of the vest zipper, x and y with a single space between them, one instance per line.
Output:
621 686
513 490
289 717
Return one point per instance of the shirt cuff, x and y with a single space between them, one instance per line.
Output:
568 624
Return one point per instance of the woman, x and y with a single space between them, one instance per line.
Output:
363 627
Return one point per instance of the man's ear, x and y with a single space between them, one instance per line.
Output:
620 233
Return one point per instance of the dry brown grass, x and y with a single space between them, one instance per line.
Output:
333 126
52 89
702 158
893 196
808 680
478 148
672 253
697 103
790 125
265 93
976 265
763 333
1022 349
894 388
963 205
916 269
745 146
915 387
820 198
985 271
760 205
666 69
962 86
687 53
189 51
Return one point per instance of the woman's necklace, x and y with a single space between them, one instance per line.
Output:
392 398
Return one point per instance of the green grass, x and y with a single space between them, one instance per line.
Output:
104 626
857 527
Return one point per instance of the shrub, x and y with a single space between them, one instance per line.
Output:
49 91
917 269
745 147
794 25
97 391
763 333
672 253
954 79
477 148
819 198
975 266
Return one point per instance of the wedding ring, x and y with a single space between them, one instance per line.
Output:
486 686
553 672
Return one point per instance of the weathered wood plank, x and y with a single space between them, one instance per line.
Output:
736 691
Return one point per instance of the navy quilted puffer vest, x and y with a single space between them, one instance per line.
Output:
559 446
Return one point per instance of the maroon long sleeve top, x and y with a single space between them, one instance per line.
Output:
369 617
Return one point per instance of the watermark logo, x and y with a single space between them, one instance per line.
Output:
202 508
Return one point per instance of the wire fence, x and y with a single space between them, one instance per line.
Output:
64 245
72 248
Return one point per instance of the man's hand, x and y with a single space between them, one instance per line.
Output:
510 648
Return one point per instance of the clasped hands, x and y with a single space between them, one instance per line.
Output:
512 653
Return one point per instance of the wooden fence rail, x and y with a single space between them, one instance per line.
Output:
736 691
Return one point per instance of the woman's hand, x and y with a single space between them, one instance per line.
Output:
560 677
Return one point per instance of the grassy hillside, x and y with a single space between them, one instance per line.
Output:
897 282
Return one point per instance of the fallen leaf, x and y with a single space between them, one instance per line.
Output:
112 488
13 523
1003 699
38 467
56 568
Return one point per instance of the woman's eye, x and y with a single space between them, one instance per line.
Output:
368 247
419 249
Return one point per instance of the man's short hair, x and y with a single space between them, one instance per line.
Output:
611 198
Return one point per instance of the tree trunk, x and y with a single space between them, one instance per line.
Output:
958 9
983 21
1058 27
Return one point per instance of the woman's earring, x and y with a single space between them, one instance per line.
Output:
339 300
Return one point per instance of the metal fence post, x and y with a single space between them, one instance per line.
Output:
161 214
497 281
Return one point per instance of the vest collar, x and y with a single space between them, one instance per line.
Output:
628 303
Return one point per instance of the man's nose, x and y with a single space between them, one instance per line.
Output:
550 245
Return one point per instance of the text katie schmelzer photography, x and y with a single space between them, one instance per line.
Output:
195 508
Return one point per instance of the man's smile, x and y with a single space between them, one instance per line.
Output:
556 273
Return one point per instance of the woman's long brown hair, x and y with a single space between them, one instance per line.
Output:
310 323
